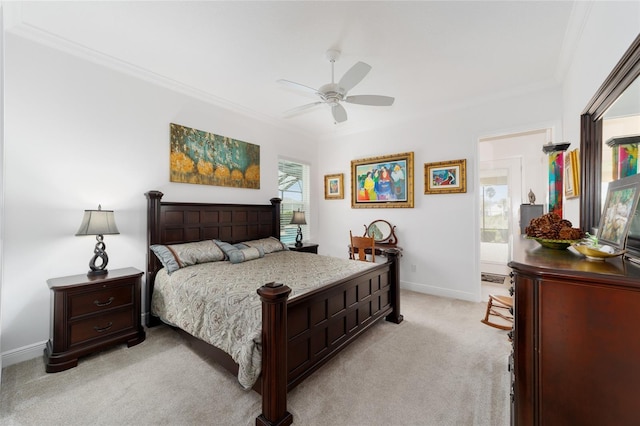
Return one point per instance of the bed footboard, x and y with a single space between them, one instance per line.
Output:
301 335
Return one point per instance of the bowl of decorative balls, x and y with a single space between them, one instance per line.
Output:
553 232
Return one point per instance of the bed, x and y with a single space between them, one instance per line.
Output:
298 333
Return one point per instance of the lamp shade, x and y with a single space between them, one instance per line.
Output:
298 218
98 222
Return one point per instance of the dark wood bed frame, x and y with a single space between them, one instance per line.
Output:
298 336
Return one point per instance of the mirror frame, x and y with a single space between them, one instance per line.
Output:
389 239
624 73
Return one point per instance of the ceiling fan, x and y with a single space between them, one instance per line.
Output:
333 93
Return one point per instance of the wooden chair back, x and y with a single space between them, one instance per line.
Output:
362 244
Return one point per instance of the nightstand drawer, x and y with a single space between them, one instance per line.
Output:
100 326
98 301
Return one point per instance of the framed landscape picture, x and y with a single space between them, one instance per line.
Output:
618 211
206 158
334 187
385 181
445 177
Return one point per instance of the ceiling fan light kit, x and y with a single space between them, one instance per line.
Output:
333 94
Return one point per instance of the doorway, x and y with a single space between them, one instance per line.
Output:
509 166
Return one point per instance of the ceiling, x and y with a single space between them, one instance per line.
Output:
429 55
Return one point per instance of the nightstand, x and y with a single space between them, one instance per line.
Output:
92 313
306 247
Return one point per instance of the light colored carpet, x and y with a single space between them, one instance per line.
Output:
441 366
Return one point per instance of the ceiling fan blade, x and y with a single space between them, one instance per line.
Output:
300 109
374 100
339 113
298 86
354 76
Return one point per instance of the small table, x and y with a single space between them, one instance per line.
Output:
380 249
306 248
92 313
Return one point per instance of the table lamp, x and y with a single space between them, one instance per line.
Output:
98 222
298 219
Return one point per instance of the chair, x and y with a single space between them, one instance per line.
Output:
499 306
362 244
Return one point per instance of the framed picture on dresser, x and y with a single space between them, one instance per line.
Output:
618 211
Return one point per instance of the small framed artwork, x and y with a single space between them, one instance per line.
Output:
334 187
571 174
382 182
445 177
618 211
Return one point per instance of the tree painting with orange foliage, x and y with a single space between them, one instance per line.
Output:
208 159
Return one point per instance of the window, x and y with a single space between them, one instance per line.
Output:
293 188
494 201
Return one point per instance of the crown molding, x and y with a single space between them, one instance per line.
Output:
14 24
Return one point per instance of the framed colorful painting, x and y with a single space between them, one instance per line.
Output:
385 181
445 177
208 159
334 187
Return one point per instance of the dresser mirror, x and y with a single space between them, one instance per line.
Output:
613 112
382 232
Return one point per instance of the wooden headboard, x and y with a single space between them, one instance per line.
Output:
175 223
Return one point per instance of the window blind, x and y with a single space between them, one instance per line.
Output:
294 190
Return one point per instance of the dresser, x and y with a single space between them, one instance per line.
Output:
89 314
576 338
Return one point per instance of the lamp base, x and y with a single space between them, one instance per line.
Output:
299 237
99 256
97 273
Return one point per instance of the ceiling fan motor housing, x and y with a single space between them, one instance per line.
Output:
331 93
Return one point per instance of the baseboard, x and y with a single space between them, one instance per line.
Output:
32 351
24 353
441 291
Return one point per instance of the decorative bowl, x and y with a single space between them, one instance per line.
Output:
554 244
595 254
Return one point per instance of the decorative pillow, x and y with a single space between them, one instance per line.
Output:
269 245
239 253
176 256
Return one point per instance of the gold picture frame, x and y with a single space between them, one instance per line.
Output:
445 177
571 174
334 187
382 182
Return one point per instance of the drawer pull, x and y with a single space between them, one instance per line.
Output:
101 329
107 303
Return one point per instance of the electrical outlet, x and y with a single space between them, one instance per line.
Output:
413 268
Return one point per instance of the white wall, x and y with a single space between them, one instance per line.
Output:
440 235
78 135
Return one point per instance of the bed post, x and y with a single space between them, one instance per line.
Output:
275 202
153 237
274 356
393 256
